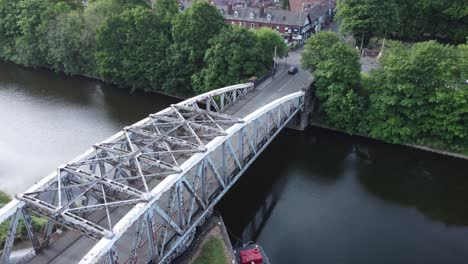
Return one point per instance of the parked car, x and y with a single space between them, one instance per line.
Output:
292 70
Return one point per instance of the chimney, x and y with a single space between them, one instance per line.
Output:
262 11
229 8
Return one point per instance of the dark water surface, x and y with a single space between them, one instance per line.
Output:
48 119
313 197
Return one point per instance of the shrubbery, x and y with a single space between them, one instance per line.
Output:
21 232
127 43
419 95
403 19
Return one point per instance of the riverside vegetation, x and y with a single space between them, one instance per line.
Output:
131 44
406 20
136 45
21 231
419 95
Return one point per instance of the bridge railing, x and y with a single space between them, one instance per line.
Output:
163 227
45 197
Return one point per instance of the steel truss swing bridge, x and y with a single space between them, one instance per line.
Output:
138 196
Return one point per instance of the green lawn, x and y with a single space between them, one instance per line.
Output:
212 252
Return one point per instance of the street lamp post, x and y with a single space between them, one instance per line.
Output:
300 21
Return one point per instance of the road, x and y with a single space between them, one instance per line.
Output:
273 88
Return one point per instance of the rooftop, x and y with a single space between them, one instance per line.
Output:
271 16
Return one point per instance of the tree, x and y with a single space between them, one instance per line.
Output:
98 11
131 49
33 21
133 3
95 14
166 10
285 5
420 95
316 49
367 18
233 57
337 82
267 40
446 20
191 32
70 44
9 29
336 69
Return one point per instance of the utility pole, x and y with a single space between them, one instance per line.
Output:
362 43
274 60
300 21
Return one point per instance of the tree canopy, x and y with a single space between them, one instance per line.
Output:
317 48
413 20
336 69
267 40
191 33
129 43
420 94
433 19
131 49
234 56
367 18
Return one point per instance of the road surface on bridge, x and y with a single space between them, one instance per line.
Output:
71 247
271 89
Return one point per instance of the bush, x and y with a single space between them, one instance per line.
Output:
21 231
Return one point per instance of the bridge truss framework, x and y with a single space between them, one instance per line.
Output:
152 184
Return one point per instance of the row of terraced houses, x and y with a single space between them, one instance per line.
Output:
294 26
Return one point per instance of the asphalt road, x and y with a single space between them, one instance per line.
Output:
271 89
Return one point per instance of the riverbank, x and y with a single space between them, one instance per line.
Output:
425 148
210 245
94 78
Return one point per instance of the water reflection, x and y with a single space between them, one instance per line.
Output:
436 185
326 197
47 119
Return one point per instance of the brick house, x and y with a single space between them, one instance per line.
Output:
287 23
293 26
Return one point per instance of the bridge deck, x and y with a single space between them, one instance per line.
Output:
70 247
270 90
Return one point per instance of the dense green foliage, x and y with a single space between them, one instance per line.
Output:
212 252
127 42
131 49
445 20
38 223
233 57
367 18
70 44
267 40
337 72
417 19
316 48
237 54
285 5
191 33
419 95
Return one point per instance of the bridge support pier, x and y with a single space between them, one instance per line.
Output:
301 120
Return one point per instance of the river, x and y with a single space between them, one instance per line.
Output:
312 197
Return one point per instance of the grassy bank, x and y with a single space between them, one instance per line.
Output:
212 252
